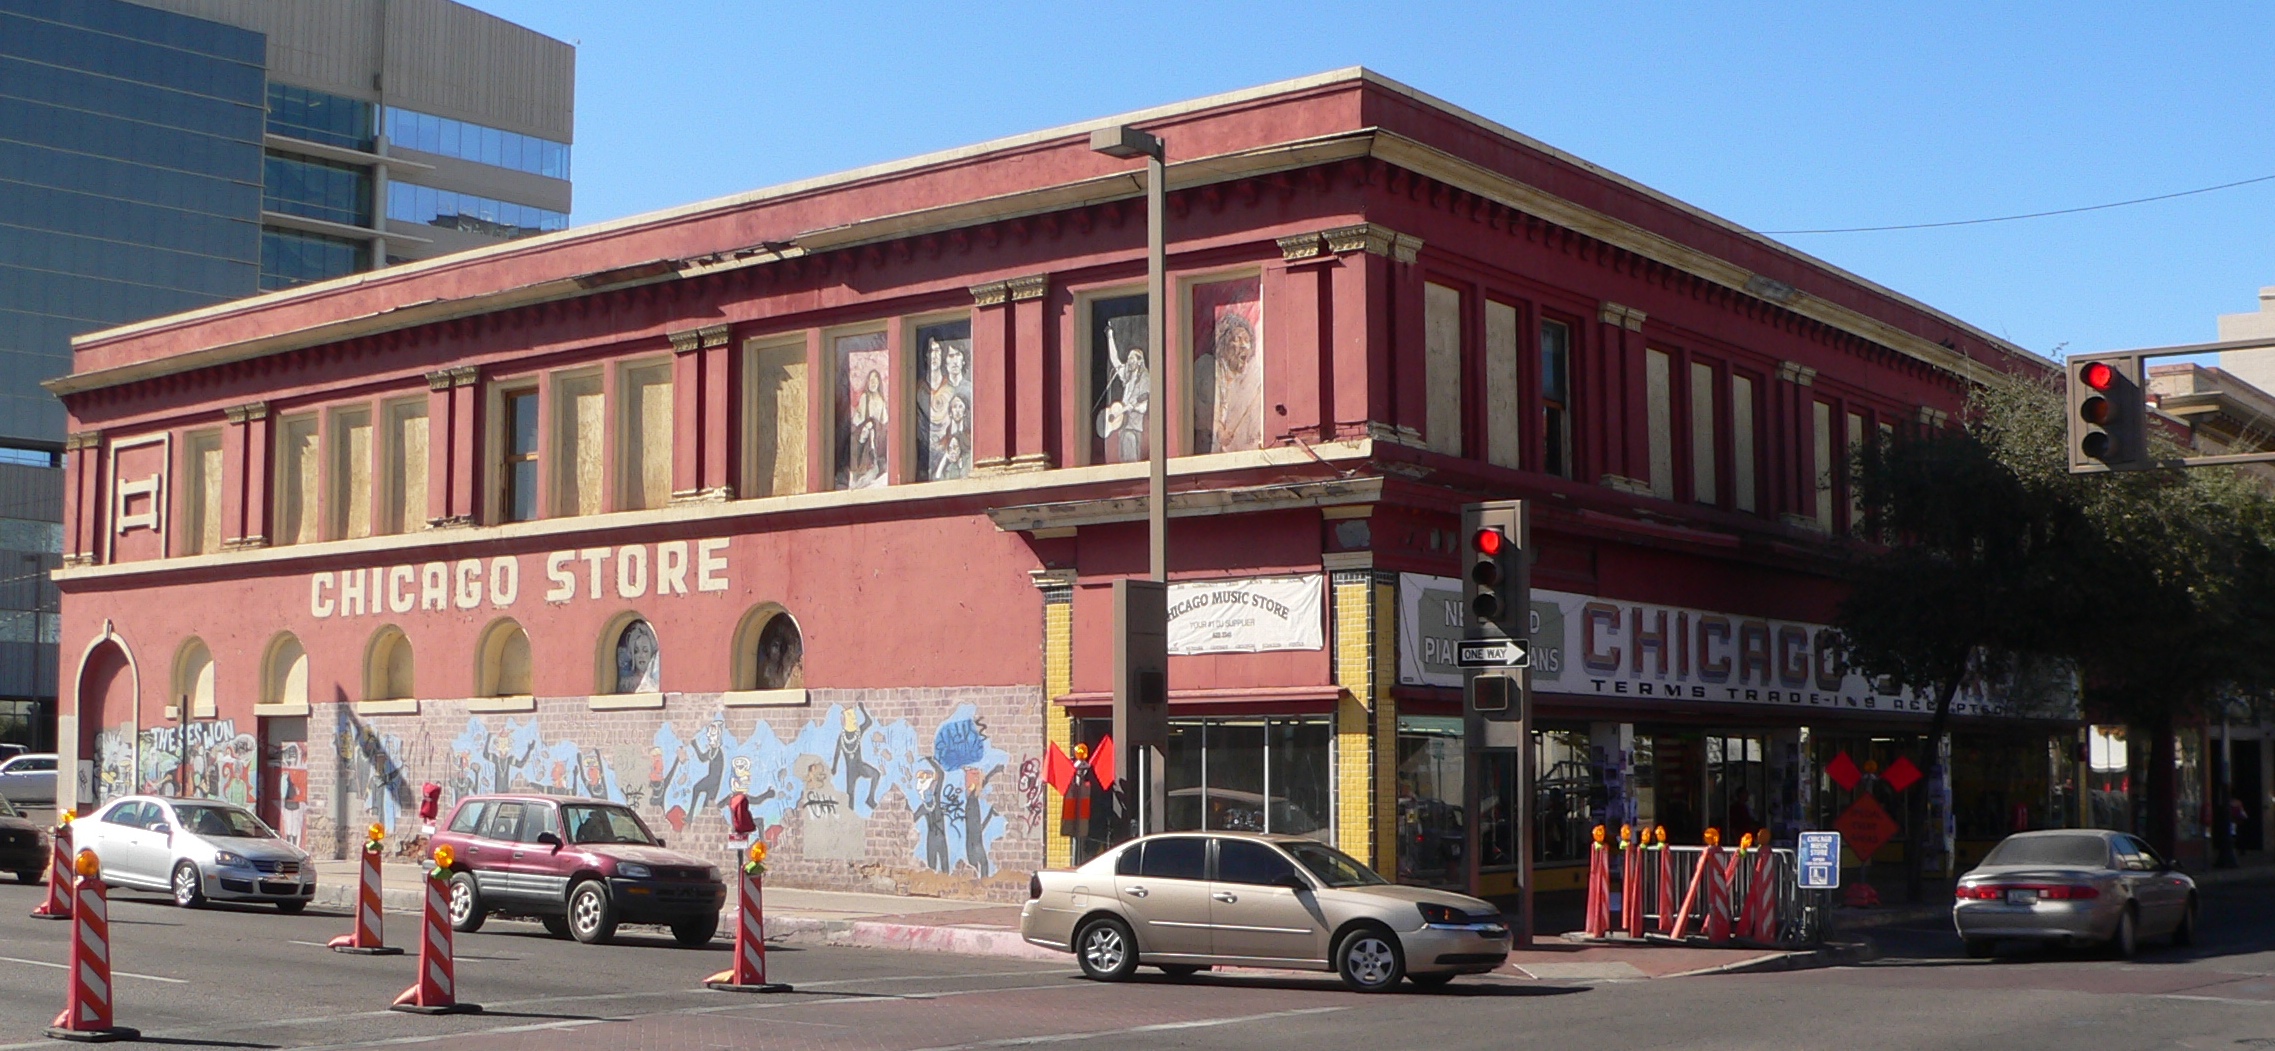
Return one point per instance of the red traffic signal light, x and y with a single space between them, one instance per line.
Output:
2098 375
1489 542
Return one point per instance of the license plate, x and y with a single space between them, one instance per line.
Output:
2022 897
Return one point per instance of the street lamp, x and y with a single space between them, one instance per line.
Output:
1141 610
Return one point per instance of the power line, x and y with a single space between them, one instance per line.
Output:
2029 215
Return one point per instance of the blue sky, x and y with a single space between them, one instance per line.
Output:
1777 116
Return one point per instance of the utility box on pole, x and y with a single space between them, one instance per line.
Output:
1495 655
1141 695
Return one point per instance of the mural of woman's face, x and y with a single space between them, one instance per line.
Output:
958 412
875 384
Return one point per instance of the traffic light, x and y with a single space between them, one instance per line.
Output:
2108 417
1493 572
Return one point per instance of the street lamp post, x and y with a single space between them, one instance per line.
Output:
1140 644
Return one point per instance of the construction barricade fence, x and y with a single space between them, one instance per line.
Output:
1662 884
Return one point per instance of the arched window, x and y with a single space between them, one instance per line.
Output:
631 660
770 652
387 666
503 668
284 672
193 679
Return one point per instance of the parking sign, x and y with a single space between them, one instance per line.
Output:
1819 860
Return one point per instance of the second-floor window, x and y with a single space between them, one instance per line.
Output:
1441 368
1742 443
1556 398
299 470
201 459
645 391
403 496
351 473
774 418
580 419
1703 477
517 471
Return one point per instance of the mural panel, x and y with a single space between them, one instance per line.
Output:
1228 365
864 416
1120 392
944 401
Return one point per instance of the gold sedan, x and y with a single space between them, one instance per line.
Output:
1188 901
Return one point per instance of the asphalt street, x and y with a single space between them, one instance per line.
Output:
226 977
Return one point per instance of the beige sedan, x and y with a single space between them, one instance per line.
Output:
1187 901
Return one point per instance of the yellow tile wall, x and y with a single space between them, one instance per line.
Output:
1058 726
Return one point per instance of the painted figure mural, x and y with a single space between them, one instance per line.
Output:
944 405
639 668
1122 392
781 655
864 418
1228 366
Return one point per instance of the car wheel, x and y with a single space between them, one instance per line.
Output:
1980 948
1105 950
1182 971
557 926
1370 960
189 887
466 911
592 917
696 930
2126 940
1430 981
2185 932
291 908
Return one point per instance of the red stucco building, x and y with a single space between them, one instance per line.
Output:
816 493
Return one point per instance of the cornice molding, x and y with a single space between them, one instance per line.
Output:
246 413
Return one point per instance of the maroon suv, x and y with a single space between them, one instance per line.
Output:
580 866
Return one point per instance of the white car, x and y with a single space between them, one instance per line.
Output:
198 850
29 780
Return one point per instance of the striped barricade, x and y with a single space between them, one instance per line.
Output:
87 1001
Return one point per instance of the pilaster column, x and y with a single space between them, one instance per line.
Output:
1374 325
1029 316
1622 422
1057 586
993 393
245 454
1798 444
454 447
83 502
703 440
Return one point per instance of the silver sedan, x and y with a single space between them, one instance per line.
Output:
197 850
2074 887
1186 902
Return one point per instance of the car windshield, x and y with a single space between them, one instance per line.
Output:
221 822
1333 867
605 824
2075 851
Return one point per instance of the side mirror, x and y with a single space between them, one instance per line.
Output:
659 841
549 839
1293 882
162 829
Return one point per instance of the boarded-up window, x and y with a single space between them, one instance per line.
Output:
646 456
285 679
1822 465
775 437
201 521
1742 443
405 453
299 468
1441 355
1658 414
581 423
1855 447
351 473
1702 474
1504 424
193 680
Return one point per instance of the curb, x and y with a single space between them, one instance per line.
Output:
1838 954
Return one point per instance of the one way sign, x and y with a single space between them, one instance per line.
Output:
1493 653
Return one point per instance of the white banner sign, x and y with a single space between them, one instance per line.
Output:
1247 616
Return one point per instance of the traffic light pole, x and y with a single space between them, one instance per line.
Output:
1497 686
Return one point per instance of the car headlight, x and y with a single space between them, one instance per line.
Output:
632 870
1442 914
227 860
711 873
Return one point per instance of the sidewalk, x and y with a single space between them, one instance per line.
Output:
908 924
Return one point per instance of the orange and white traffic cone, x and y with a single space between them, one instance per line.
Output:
1666 879
369 937
58 903
86 1016
1631 884
748 975
1719 869
1599 888
1761 898
436 990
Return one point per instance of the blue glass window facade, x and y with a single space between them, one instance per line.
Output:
315 189
305 113
130 181
468 141
409 202
295 257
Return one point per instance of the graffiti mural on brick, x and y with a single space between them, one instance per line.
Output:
206 759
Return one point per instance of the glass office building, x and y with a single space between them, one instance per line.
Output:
163 155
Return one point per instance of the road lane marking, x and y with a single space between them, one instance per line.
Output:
114 974
2216 999
1157 1027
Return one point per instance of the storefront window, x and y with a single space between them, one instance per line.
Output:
1870 756
1244 775
2109 778
2193 823
1737 783
1562 781
1430 830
